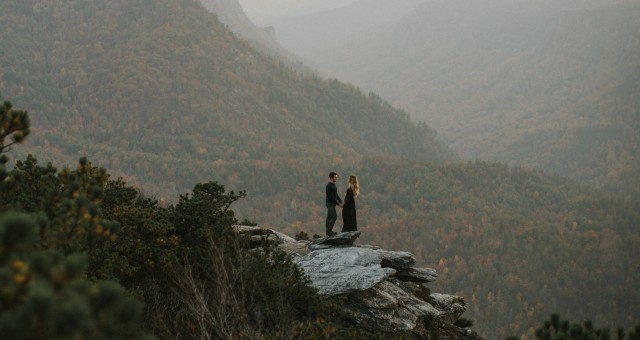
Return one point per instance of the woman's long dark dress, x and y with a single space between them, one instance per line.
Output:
349 212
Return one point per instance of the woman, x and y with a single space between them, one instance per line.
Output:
349 205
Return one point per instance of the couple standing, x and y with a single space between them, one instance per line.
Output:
348 206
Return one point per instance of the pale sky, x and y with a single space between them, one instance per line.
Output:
263 12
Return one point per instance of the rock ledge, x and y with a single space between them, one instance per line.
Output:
385 293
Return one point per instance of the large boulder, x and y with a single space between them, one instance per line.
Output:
385 292
257 236
396 259
342 270
390 307
339 239
417 274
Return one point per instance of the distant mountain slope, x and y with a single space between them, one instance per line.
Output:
553 86
518 244
230 13
167 86
327 39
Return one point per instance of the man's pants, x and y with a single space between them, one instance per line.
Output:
332 217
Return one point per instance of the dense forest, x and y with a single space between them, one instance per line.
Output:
540 84
166 97
83 256
518 244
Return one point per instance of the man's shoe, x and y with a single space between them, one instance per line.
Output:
331 233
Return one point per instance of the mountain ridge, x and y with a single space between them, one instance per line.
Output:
548 87
230 99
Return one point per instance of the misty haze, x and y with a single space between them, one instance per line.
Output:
548 85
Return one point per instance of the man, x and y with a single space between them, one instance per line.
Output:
332 200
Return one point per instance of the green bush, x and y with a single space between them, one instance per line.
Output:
65 204
43 293
556 328
71 239
15 125
199 278
48 223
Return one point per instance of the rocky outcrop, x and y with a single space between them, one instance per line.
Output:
343 270
417 274
385 292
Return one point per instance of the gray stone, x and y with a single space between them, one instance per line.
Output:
417 274
285 237
340 239
385 293
256 235
259 240
387 307
343 270
396 259
292 247
453 306
251 230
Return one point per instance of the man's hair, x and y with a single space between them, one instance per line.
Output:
331 174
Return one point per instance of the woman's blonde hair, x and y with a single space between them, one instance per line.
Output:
353 183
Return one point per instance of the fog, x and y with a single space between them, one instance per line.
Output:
544 84
267 12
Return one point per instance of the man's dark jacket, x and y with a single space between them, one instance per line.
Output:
332 194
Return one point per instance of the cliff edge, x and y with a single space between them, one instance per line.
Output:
386 293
